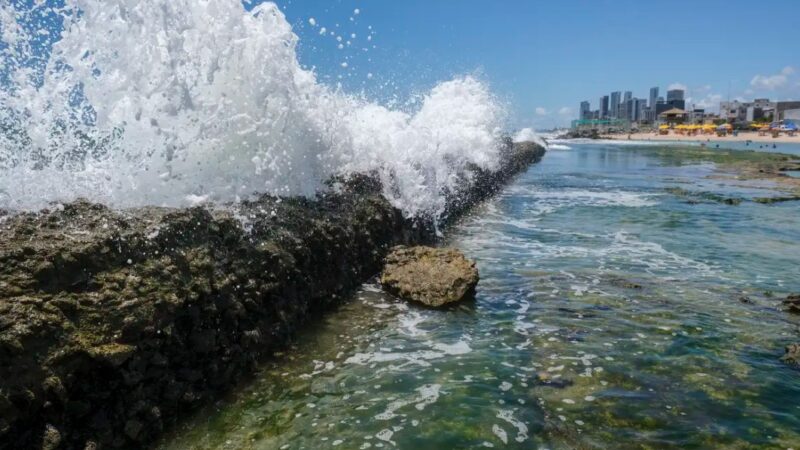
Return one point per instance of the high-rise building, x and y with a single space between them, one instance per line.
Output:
634 109
674 94
585 111
653 97
613 107
639 109
675 99
603 107
626 109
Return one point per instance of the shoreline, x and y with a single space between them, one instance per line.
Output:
713 139
115 324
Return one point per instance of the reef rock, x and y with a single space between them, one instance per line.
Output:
792 303
792 355
431 276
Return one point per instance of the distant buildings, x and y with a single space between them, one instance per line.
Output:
613 106
653 97
585 111
604 107
621 110
621 107
759 109
675 99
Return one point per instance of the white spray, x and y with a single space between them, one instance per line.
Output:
170 101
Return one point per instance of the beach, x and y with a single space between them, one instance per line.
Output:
741 137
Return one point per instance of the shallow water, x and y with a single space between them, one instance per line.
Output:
610 314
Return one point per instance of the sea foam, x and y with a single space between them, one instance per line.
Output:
169 101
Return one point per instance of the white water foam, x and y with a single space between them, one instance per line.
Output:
176 101
528 135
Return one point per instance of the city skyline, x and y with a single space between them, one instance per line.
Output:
410 48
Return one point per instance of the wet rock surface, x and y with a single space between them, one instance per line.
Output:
113 323
792 303
431 276
792 355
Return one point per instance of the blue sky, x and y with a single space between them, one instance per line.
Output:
543 58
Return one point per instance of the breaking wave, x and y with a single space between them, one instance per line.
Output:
173 102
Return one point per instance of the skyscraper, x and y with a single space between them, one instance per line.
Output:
674 94
653 97
613 108
675 99
585 112
628 96
603 107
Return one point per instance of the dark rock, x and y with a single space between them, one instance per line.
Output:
133 428
792 303
431 276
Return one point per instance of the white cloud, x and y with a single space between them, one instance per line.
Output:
710 102
677 86
565 111
772 82
541 111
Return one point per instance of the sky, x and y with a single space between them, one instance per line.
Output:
542 58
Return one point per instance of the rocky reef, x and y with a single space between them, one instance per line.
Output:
431 276
113 324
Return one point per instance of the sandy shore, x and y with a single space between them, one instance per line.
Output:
742 137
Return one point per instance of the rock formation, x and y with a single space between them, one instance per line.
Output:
115 323
431 276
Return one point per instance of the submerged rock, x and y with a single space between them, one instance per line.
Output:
792 355
431 276
792 303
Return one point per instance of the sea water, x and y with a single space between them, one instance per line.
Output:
610 314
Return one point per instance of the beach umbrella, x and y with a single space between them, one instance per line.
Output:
663 127
789 126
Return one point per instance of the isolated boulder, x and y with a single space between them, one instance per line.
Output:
431 276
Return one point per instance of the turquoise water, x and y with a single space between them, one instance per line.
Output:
610 314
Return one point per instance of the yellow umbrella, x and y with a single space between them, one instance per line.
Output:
664 127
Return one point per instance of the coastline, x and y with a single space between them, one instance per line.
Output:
116 323
713 139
